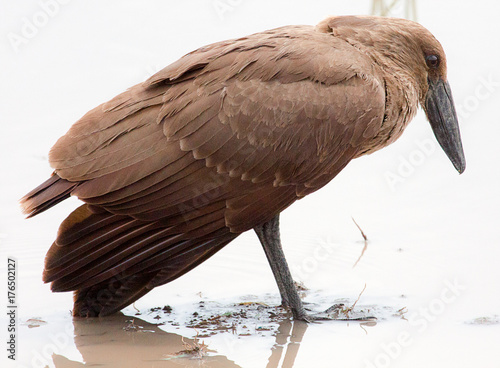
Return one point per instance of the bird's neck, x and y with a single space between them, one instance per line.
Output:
401 88
401 104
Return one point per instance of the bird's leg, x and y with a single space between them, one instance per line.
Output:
269 236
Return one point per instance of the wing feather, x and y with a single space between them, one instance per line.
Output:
254 123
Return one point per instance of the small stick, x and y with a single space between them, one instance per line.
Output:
362 233
133 306
366 242
348 310
359 297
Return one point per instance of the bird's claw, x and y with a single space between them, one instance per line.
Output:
337 312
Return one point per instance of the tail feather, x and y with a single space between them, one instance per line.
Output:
84 254
110 296
112 260
182 263
46 195
115 293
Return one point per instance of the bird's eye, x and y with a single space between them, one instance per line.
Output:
432 61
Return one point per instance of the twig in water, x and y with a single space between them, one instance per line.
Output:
366 243
195 350
348 310
401 313
359 227
133 306
132 327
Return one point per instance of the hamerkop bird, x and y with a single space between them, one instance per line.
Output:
223 140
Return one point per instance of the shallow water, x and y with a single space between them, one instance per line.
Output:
431 262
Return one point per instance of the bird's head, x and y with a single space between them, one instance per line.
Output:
406 47
437 101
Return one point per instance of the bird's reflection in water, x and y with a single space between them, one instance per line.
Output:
288 341
289 337
117 342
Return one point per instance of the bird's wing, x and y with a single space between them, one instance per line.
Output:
247 126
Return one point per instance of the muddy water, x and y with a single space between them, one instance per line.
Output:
114 343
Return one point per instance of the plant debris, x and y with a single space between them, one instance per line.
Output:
341 312
35 322
494 320
194 350
167 309
401 313
243 319
301 289
132 326
348 310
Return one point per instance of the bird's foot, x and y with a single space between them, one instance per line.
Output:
337 312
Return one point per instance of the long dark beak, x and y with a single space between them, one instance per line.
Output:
444 122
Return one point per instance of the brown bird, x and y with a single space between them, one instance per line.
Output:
223 140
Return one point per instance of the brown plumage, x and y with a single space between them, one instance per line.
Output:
222 141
